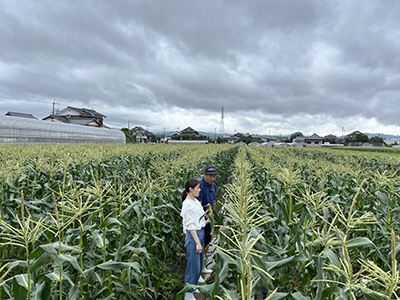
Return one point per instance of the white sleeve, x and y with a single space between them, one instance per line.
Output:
189 217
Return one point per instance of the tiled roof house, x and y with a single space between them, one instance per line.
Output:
79 116
189 131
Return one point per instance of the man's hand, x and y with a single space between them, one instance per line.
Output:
207 219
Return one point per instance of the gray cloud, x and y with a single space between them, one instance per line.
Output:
274 65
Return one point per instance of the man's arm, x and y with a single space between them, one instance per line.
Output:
201 197
215 198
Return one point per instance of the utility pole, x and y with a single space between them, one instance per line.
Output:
221 126
164 136
54 103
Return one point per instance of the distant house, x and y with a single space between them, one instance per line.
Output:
330 138
77 121
79 116
142 135
236 138
354 134
299 140
314 139
189 132
20 115
176 133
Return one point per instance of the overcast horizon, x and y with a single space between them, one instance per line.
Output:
277 67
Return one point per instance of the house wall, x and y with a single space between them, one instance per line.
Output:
187 142
308 142
66 112
189 133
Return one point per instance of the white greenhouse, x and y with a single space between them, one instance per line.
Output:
15 130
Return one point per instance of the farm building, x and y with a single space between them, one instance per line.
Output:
17 130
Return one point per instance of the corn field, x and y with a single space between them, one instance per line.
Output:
100 222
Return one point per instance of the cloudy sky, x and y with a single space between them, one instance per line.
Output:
276 66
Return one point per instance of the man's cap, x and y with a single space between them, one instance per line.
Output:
210 170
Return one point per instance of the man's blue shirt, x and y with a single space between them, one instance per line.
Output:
207 194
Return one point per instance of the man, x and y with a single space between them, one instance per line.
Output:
207 199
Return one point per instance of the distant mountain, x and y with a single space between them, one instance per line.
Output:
212 134
382 135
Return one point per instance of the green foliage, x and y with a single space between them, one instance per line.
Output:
240 232
359 138
170 282
94 222
102 222
188 137
295 135
333 219
222 140
250 139
130 137
363 138
377 140
128 133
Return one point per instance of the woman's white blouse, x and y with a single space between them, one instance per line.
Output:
193 215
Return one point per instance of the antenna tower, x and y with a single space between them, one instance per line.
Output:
221 126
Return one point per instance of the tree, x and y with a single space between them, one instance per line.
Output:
130 137
376 140
359 138
222 140
249 139
295 135
154 138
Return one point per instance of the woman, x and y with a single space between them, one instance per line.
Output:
193 226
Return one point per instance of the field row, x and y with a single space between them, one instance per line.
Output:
102 222
94 222
310 224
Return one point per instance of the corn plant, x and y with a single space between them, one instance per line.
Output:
24 234
240 233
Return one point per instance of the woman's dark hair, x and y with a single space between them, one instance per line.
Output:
191 183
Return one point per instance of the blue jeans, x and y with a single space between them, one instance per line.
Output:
195 260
